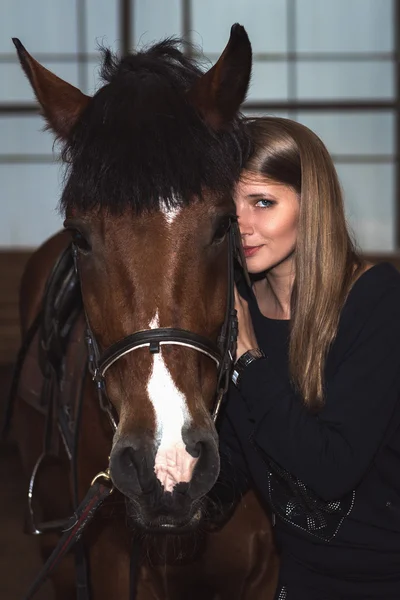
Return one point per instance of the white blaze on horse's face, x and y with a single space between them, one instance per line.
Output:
169 213
173 464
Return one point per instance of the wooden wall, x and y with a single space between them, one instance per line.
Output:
12 264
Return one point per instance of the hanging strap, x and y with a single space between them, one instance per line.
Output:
19 363
98 492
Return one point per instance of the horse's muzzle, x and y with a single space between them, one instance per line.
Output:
135 467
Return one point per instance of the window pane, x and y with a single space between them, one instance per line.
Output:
41 25
17 88
30 214
102 24
264 20
353 133
269 81
154 20
24 135
282 114
344 26
332 80
369 200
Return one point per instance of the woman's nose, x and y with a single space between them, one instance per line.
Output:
245 224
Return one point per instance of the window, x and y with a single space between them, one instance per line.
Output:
329 65
64 37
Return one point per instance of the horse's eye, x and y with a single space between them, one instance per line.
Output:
80 241
222 229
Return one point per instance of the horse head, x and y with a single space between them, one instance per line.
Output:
152 159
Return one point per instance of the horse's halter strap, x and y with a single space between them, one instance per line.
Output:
221 353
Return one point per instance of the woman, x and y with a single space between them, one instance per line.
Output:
312 421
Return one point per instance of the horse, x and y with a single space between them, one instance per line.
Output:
121 317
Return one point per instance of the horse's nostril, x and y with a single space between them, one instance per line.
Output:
127 460
129 468
194 449
202 447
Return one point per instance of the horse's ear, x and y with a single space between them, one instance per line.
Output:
218 94
61 102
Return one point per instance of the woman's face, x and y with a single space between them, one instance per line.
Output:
268 215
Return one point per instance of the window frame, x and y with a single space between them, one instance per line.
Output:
292 106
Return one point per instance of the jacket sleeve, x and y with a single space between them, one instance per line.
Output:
233 481
331 451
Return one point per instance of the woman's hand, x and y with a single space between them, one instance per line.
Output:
246 337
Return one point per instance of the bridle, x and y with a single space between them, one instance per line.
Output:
222 352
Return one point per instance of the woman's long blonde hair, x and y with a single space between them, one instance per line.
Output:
326 261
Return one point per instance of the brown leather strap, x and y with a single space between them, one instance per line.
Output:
98 492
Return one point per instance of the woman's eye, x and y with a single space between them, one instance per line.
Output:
264 203
80 241
222 229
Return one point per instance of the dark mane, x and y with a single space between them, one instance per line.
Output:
140 141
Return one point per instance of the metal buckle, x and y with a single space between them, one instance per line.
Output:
103 475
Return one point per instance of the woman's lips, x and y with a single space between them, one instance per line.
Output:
250 250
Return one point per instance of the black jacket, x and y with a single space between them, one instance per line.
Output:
332 479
